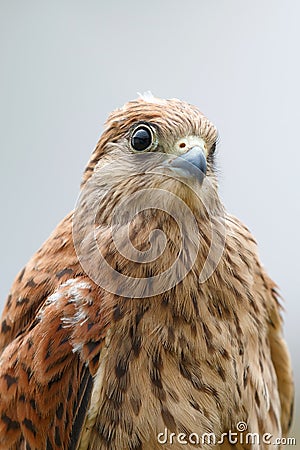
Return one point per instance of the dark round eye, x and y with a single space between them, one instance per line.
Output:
141 138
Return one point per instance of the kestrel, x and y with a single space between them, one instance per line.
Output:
146 320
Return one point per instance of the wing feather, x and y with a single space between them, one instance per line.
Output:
280 356
46 374
53 264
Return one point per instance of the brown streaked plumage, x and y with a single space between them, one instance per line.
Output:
83 367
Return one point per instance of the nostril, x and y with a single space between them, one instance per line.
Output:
182 145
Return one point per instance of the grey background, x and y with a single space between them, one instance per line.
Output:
65 65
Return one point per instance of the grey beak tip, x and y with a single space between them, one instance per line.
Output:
193 162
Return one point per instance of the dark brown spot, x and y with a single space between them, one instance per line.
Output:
237 324
184 371
57 438
261 366
168 419
63 272
32 404
59 411
195 303
95 360
165 299
221 372
119 270
136 344
210 364
70 392
58 362
8 301
49 445
149 273
121 366
115 396
118 313
22 300
226 310
252 303
171 335
29 425
28 371
237 384
10 424
195 405
136 405
183 429
245 376
238 389
31 283
64 340
291 414
4 327
55 380
224 353
91 345
206 413
136 444
203 387
141 313
173 395
90 325
155 374
22 398
156 377
157 360
34 323
257 400
10 380
215 309
67 419
49 346
20 278
107 433
207 336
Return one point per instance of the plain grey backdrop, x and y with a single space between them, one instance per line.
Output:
66 64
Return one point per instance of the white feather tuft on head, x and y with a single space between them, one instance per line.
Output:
147 96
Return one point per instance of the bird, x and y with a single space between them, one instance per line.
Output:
146 319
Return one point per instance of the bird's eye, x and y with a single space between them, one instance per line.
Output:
141 138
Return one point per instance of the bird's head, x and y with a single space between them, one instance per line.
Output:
178 132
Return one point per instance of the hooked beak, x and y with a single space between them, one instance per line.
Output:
191 163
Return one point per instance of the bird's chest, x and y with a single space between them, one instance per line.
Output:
162 374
